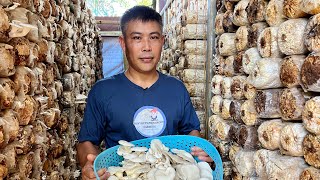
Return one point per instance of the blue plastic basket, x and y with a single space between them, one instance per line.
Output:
110 157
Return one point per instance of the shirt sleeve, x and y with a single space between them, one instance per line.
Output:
190 120
93 125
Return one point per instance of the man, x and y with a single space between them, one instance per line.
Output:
139 103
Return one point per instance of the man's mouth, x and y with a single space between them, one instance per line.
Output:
146 59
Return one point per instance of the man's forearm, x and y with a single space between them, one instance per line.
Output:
85 148
195 133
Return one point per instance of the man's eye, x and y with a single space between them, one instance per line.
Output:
154 37
136 37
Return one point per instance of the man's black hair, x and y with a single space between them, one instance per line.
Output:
143 13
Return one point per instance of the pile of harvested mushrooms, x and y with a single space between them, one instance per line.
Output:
157 163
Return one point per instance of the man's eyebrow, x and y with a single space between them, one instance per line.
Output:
133 33
139 33
157 33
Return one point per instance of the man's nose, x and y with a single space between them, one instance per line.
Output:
146 45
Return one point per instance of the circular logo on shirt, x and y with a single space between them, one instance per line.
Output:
149 121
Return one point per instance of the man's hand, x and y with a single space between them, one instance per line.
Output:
196 151
87 170
203 156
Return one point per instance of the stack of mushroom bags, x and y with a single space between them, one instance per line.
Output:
157 163
49 58
266 100
184 54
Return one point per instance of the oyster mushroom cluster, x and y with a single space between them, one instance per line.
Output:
157 163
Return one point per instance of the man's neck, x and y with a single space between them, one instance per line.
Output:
142 80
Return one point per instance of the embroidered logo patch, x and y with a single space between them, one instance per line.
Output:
149 121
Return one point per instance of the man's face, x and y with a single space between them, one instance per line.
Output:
142 44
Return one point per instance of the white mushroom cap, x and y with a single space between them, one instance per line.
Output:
157 144
184 154
156 153
161 174
125 143
188 171
128 164
205 170
123 150
127 178
130 156
137 170
19 29
143 168
115 169
12 7
113 178
139 159
139 149
164 164
204 165
176 159
6 46
150 157
167 174
150 175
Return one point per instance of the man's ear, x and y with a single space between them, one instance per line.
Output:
162 39
122 43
